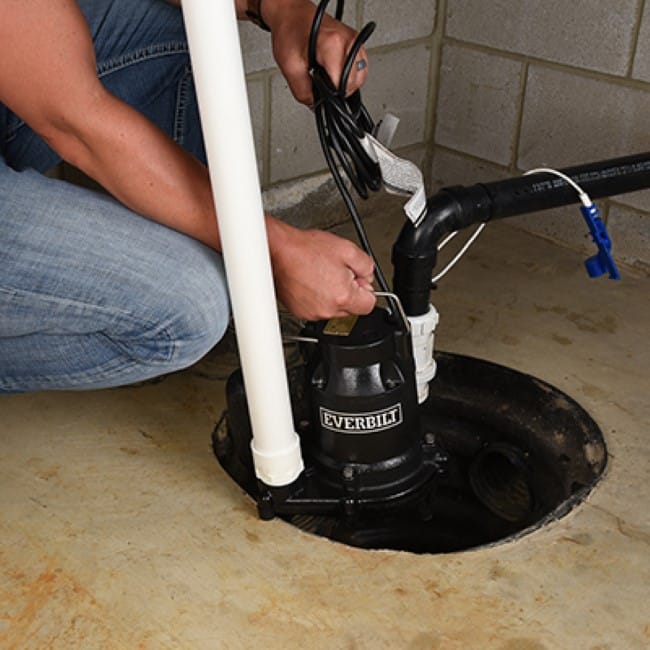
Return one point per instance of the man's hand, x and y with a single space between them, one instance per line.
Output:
290 22
319 275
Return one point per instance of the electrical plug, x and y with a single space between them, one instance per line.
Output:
602 262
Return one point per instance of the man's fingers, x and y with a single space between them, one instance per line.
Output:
332 54
362 300
365 283
359 262
358 73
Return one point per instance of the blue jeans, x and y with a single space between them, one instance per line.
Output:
91 294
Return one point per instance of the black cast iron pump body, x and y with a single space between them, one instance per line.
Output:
364 436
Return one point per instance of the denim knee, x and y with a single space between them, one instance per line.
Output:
195 318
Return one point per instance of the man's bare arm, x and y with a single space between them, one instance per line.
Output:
48 78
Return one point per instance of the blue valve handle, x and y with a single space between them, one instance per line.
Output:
602 262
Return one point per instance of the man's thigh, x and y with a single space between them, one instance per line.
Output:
76 260
92 295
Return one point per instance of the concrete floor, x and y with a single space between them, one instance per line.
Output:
120 530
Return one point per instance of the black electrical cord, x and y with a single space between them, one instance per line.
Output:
341 123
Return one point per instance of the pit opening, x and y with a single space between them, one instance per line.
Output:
520 454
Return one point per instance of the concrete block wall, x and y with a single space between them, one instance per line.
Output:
524 84
486 89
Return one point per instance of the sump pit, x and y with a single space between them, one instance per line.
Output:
520 453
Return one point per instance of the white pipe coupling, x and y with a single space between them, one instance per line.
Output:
278 467
423 335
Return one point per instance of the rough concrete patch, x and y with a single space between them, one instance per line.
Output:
315 202
309 203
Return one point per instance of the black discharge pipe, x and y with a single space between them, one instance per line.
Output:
453 208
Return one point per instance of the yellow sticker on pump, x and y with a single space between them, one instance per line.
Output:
340 326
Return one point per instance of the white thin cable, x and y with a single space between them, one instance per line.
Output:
584 197
460 253
446 240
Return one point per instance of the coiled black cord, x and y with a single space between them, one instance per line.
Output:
341 122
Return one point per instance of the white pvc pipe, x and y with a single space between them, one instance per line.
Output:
215 51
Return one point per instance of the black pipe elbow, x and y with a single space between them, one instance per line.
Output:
416 250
